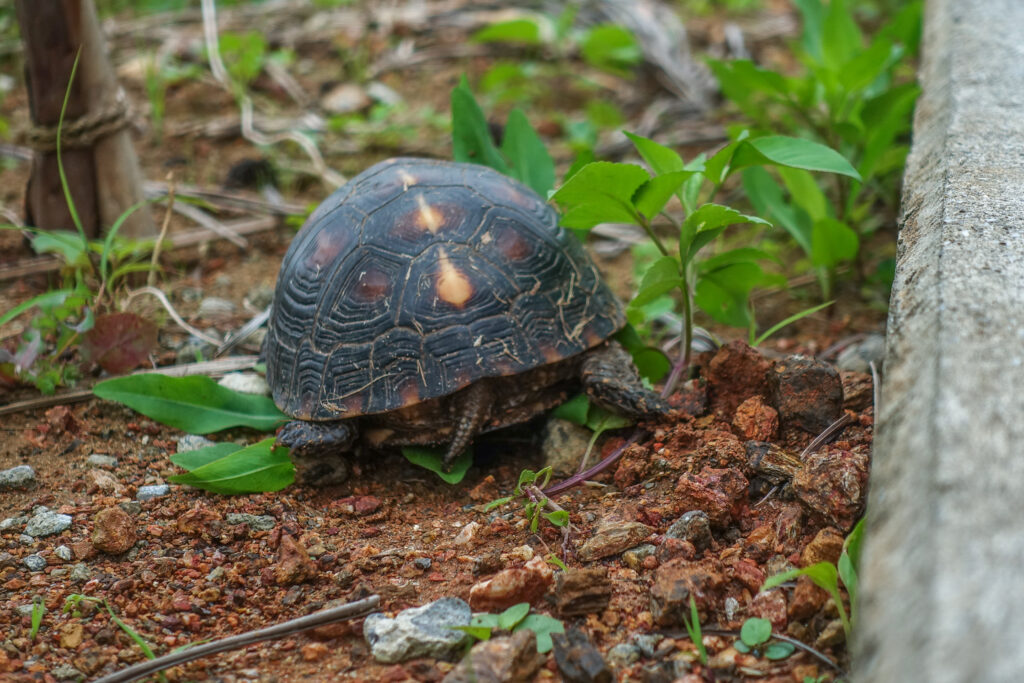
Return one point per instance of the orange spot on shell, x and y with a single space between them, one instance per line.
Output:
452 284
407 178
512 245
551 354
409 394
428 217
329 244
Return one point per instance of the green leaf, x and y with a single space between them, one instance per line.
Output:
789 321
516 31
601 420
478 632
573 410
652 196
43 300
779 650
832 243
661 276
767 197
559 518
196 404
805 192
709 219
557 561
660 158
841 37
610 47
67 244
531 163
484 620
779 150
600 192
756 631
740 646
497 503
191 460
257 468
868 65
471 136
852 544
508 619
849 576
433 460
813 15
651 363
724 293
747 86
543 626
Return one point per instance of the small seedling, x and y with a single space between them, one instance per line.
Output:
756 639
581 411
38 610
529 488
72 602
515 618
693 629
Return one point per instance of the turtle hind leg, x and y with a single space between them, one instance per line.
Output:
611 380
317 449
472 409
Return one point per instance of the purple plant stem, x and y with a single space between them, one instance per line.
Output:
587 474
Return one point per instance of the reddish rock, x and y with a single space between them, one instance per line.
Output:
512 586
674 583
500 660
788 525
293 563
632 467
314 652
760 544
99 480
356 505
612 537
722 449
826 546
771 605
672 548
833 485
755 419
720 493
807 393
113 531
749 574
807 599
82 550
486 491
582 591
198 520
736 373
858 390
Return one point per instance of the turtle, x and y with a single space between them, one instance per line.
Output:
426 302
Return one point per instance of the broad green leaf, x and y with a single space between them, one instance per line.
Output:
660 158
543 626
747 86
841 37
813 14
724 293
600 192
477 632
651 363
778 650
718 166
662 276
558 517
868 65
885 118
508 619
573 410
196 404
780 150
520 31
433 459
529 158
832 243
755 631
740 646
852 544
709 220
804 191
191 460
471 136
254 469
767 197
610 47
69 245
54 298
652 196
601 420
849 577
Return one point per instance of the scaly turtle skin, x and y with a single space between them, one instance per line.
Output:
426 302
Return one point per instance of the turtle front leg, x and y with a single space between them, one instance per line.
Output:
611 380
317 449
471 408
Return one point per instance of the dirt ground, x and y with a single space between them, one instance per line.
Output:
190 566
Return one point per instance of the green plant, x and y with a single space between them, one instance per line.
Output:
530 488
72 602
158 77
38 610
515 618
827 576
850 97
581 411
756 639
693 629
433 459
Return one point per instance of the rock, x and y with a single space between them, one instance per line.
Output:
760 543
746 571
193 442
634 557
34 563
63 552
71 635
647 643
826 546
771 605
293 563
7 560
12 522
246 383
831 635
113 531
215 308
736 373
623 655
674 583
66 672
198 520
314 652
260 296
80 572
46 522
807 599
345 98
418 632
254 522
19 477
582 591
693 526
103 481
858 391
467 534
150 492
833 483
101 460
512 586
577 658
755 419
564 445
510 659
611 537
383 94
858 357
807 393
422 563
718 492
671 548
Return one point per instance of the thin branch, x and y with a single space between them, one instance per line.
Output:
153 291
830 433
287 628
154 262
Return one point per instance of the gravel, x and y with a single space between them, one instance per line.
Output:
46 522
17 477
34 563
151 492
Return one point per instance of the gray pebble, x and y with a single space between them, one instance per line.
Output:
25 539
132 507
193 442
418 632
17 477
254 522
24 610
35 563
46 522
63 552
66 672
622 655
693 526
101 460
151 492
647 642
80 572
634 557
422 563
12 522
246 383
216 308
7 560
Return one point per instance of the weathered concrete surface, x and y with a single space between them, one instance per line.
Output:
943 574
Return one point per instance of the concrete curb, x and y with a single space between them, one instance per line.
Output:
941 590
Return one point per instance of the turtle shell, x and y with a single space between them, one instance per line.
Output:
419 277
